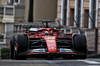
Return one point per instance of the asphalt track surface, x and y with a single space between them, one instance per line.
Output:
54 62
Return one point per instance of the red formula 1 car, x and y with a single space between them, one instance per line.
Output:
48 43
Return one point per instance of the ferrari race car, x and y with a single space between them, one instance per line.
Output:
48 43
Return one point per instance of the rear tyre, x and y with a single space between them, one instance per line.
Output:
79 44
12 43
21 46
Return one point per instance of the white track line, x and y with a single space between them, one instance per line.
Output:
89 62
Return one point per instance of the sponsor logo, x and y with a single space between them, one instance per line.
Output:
52 50
50 37
51 40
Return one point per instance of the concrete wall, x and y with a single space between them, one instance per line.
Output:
8 33
26 9
86 4
98 27
42 9
2 28
3 2
59 9
22 2
19 13
45 9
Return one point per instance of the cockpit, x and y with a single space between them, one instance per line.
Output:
44 32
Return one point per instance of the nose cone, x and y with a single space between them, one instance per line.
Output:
52 50
51 44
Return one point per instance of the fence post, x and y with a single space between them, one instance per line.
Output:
96 40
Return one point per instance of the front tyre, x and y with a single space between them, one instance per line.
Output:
79 44
21 46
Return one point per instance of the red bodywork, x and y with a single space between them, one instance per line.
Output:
51 43
42 32
50 36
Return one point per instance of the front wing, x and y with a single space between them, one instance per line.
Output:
46 54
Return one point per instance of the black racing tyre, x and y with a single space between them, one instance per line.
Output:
12 43
79 43
22 46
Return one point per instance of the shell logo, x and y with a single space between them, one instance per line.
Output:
51 40
52 50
